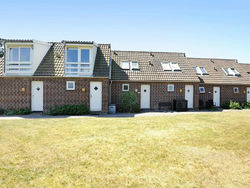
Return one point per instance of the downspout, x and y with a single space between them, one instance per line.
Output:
110 81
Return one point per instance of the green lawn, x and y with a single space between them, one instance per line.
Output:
195 150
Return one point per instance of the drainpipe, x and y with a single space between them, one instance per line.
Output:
110 83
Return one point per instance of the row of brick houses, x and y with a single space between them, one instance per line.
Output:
39 75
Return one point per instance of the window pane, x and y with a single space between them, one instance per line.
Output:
72 55
175 66
71 70
85 65
203 70
24 54
166 66
135 65
84 55
71 65
14 54
125 65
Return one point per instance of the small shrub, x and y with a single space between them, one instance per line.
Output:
129 102
69 110
234 105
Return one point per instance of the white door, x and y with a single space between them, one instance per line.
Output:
248 94
95 96
37 96
145 96
189 95
216 96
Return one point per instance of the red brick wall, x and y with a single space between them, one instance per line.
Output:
54 89
158 92
226 91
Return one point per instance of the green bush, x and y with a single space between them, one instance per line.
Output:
247 105
20 111
234 105
69 110
129 102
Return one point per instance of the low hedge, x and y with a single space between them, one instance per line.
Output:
20 111
81 109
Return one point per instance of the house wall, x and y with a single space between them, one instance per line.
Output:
54 92
226 92
158 92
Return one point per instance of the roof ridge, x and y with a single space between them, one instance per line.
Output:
146 51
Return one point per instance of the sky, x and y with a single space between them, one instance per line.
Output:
211 28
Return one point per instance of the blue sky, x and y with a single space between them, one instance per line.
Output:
218 29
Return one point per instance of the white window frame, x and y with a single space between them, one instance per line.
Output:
125 67
130 65
198 71
123 87
169 66
80 70
204 91
67 85
169 87
134 67
231 72
236 89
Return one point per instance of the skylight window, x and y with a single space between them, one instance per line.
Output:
130 65
172 66
200 70
134 65
231 72
125 65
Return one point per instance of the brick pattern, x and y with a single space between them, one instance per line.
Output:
55 92
226 92
158 92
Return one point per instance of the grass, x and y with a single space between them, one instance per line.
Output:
195 150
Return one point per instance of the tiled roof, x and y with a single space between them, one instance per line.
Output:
246 67
18 40
77 42
53 62
150 68
216 75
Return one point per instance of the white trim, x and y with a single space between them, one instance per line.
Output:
204 91
67 85
169 86
171 67
236 89
123 87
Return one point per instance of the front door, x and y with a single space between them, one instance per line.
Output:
37 96
216 96
248 94
95 96
145 96
189 95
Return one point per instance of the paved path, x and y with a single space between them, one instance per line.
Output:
118 115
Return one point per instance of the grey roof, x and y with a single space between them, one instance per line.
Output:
150 68
53 62
17 40
216 75
246 67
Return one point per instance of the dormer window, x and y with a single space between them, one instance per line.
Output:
231 72
19 60
200 70
130 65
172 66
77 61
